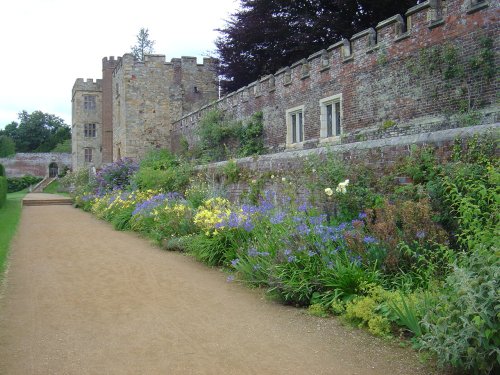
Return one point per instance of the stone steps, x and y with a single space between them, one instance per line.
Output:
46 202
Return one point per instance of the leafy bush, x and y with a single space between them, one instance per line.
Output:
3 190
116 176
19 183
81 184
463 328
2 170
162 170
250 136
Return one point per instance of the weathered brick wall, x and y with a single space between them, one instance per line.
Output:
377 154
393 82
35 164
148 95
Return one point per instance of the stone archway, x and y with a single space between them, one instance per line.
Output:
53 170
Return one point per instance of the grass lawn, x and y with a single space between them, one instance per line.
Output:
53 188
9 218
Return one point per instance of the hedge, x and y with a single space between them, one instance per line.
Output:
3 190
19 183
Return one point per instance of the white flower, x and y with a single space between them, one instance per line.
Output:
254 181
314 170
328 191
283 179
272 176
342 187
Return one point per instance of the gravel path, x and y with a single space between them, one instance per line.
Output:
81 298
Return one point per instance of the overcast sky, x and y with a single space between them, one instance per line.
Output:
47 44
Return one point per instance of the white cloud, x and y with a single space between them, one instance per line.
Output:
47 44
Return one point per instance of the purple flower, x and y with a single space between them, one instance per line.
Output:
287 252
302 229
369 239
362 215
234 262
291 258
230 278
252 252
421 234
257 267
311 253
264 253
248 225
278 218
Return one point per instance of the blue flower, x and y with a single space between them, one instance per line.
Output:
362 215
369 239
234 262
252 252
291 258
287 252
421 234
278 218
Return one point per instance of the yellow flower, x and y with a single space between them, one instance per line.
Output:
328 191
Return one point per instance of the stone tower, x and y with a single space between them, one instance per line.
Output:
86 137
149 95
132 108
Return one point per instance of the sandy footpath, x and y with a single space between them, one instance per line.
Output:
81 298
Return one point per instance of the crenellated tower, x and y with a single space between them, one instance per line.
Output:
86 137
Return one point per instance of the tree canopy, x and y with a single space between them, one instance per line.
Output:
37 132
143 46
265 35
7 146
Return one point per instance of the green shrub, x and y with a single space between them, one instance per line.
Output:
3 190
463 328
2 170
162 170
7 146
19 183
250 136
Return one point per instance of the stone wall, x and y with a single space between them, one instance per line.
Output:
35 164
394 80
108 66
82 116
149 95
379 155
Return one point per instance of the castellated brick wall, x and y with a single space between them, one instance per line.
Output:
149 95
35 164
86 114
386 79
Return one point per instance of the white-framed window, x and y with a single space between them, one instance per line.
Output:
89 102
331 116
295 125
89 130
88 154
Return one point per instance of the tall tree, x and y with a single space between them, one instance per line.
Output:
7 146
37 132
143 46
265 35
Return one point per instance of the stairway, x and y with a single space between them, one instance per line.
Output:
43 184
42 199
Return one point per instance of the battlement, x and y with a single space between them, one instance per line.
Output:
87 85
160 60
365 48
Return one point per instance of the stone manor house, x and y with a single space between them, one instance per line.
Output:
421 77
